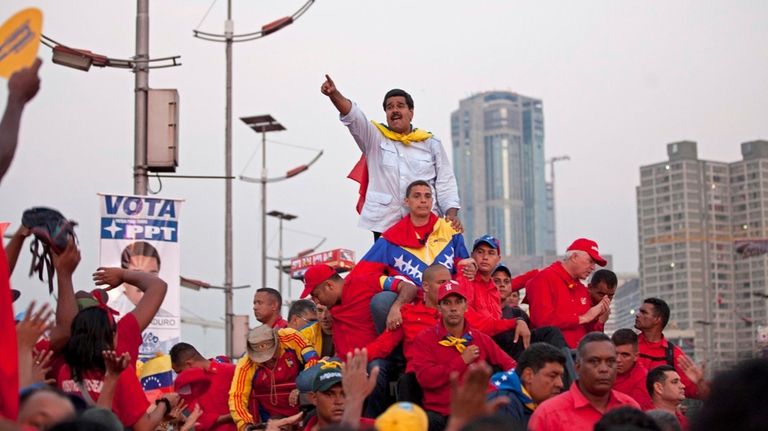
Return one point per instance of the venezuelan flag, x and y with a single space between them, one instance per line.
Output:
156 376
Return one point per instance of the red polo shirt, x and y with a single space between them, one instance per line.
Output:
416 318
632 383
352 320
572 411
215 401
557 299
482 296
433 363
658 351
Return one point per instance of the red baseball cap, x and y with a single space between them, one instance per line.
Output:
315 275
450 287
590 247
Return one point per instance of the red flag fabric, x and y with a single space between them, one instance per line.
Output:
9 360
360 174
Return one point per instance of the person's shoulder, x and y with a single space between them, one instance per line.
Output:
625 399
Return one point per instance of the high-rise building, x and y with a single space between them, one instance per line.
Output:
690 213
498 158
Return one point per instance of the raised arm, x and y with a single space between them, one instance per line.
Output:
13 248
342 104
22 87
66 304
153 287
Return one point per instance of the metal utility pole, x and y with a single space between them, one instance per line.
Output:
229 37
229 27
141 89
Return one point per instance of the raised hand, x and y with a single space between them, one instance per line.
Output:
33 325
41 365
328 88
468 400
24 84
67 261
110 277
114 363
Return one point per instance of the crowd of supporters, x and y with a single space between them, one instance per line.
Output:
424 333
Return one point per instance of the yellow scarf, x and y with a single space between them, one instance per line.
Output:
532 405
459 343
415 135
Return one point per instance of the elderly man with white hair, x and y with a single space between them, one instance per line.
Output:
557 297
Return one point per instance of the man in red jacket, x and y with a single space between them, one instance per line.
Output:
204 383
558 298
450 346
630 375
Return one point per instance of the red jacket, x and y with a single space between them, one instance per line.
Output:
632 383
658 352
433 363
352 321
482 296
214 401
557 299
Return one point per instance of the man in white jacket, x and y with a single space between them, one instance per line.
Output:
394 155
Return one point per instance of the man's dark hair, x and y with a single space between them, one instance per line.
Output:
414 184
274 294
661 308
138 248
657 375
592 337
626 419
301 307
737 399
182 352
398 92
624 336
666 421
606 276
537 356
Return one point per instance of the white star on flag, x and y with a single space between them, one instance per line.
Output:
113 229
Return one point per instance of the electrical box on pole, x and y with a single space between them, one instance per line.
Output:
162 130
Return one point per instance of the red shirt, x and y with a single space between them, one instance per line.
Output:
571 411
215 401
9 361
352 320
632 383
272 387
683 420
418 317
658 351
433 363
482 296
557 299
129 402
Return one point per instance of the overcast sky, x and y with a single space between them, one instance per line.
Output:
618 79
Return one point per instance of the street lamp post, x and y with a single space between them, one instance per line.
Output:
263 124
281 216
229 37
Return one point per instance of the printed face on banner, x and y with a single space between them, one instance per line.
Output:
141 233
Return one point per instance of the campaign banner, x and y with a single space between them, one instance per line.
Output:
142 233
341 259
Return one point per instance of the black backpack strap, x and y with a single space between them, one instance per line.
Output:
670 354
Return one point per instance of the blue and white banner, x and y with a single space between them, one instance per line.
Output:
142 233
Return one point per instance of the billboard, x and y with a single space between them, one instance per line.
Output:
142 233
